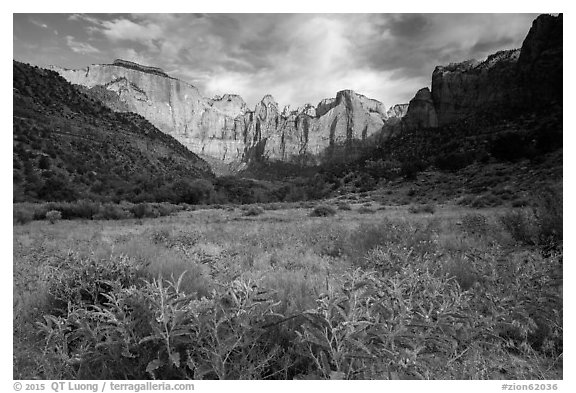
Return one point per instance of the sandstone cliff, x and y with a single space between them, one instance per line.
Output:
223 127
540 62
308 131
459 90
421 112
510 80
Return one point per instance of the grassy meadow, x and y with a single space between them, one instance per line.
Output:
351 290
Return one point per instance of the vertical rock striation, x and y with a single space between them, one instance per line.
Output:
223 127
507 81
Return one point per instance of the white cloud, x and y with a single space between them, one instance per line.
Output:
38 23
132 55
301 58
124 29
320 60
121 29
80 47
84 18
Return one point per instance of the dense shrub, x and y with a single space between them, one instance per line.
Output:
475 223
370 236
253 211
83 209
454 161
82 281
427 208
521 226
409 170
22 215
343 206
382 168
416 308
192 192
166 334
166 209
86 209
143 210
365 210
53 216
356 331
520 202
109 211
487 200
510 147
548 212
322 211
77 209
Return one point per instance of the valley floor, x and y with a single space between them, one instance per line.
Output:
371 292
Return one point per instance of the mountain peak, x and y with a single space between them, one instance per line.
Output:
268 99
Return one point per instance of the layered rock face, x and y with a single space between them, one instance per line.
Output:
540 62
510 80
308 131
459 90
421 112
175 107
397 112
223 127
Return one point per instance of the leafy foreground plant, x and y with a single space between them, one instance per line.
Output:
161 332
409 320
419 324
396 328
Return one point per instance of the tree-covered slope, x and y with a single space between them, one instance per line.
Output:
67 146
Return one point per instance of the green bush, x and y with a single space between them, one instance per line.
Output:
521 226
253 211
454 161
548 212
343 206
22 215
520 202
77 209
407 318
365 210
322 211
475 224
81 280
511 146
111 211
427 208
144 210
158 331
488 200
84 209
409 169
166 209
53 216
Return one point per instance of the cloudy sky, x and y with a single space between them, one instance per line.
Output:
298 58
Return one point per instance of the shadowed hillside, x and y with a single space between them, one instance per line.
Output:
69 146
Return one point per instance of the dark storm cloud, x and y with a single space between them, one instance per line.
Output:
408 26
488 46
412 45
298 58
